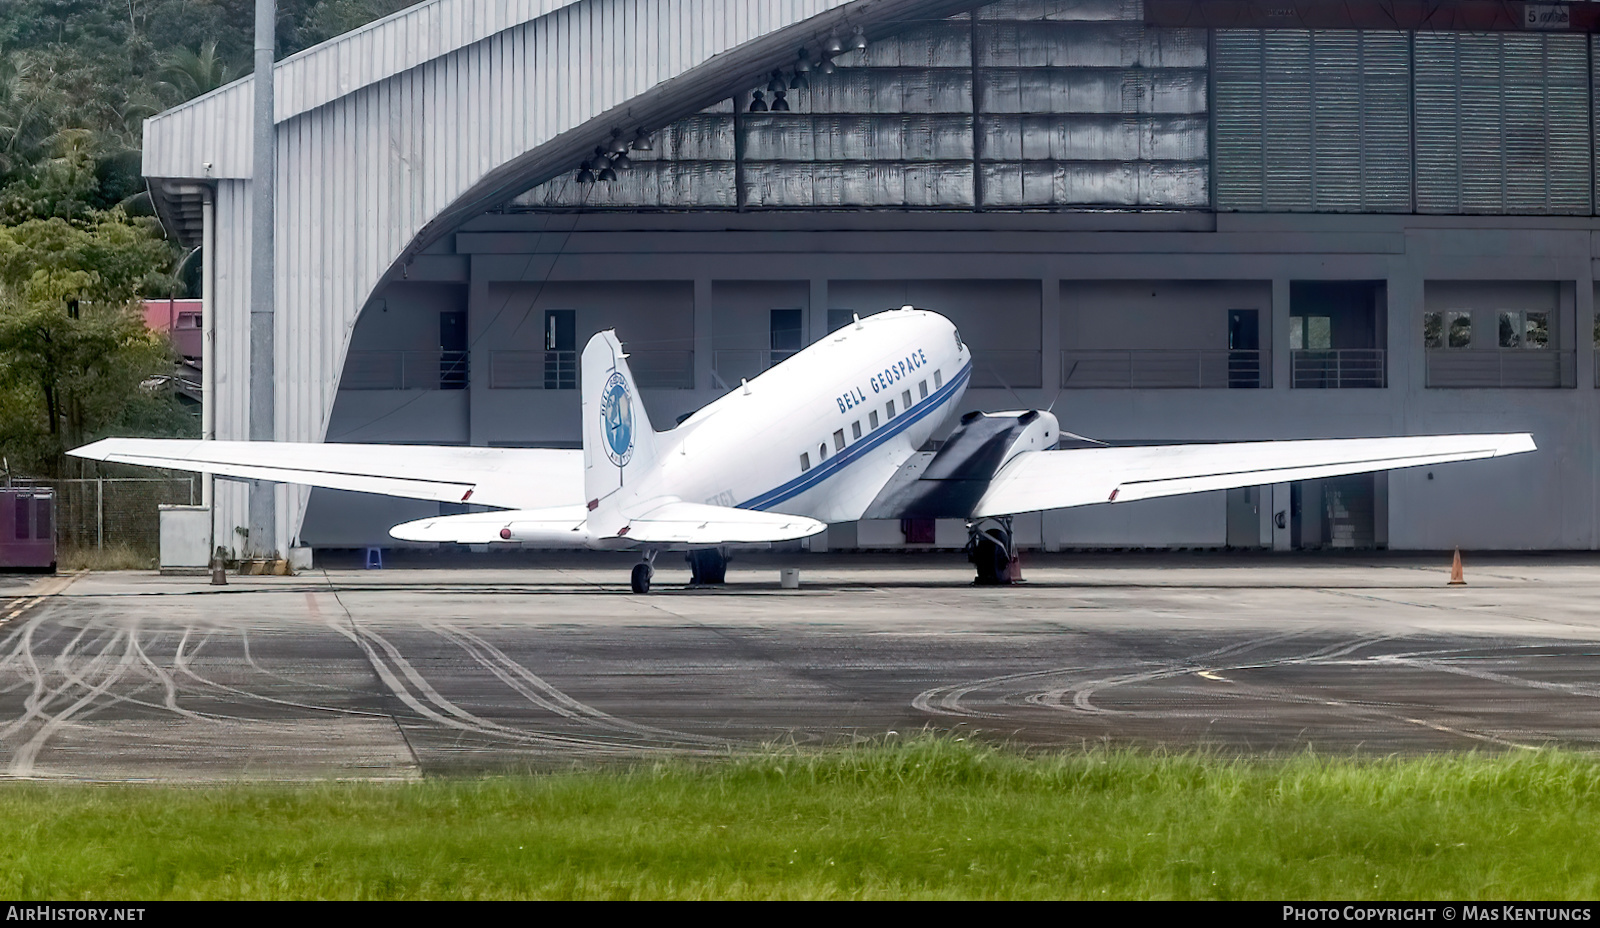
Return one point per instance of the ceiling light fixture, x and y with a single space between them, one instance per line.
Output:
757 102
858 39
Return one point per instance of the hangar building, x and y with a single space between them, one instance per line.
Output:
1176 220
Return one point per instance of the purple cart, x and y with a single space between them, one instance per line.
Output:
27 529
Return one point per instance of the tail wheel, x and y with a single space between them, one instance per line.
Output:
641 578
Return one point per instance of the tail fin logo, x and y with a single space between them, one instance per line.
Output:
616 416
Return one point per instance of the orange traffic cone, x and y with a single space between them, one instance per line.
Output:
1455 571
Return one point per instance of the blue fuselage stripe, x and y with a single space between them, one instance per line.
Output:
851 453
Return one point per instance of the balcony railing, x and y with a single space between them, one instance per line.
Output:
405 370
1337 368
1005 368
558 370
991 368
1501 367
1161 369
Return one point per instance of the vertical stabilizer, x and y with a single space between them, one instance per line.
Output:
619 446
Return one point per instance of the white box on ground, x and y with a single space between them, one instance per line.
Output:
185 537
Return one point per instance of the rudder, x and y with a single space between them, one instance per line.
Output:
619 445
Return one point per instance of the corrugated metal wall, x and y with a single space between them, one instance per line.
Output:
1325 120
1313 121
1503 123
406 116
1043 103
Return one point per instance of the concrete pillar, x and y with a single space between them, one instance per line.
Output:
817 312
1050 337
704 346
1577 328
1278 334
480 315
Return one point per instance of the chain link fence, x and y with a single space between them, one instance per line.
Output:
97 513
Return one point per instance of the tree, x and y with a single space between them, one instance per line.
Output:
74 350
187 74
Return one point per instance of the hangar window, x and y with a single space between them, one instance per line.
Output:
905 397
805 462
922 390
872 417
890 409
1524 330
838 440
855 429
1452 329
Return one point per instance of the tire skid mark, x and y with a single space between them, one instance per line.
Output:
34 703
542 694
22 762
443 711
947 700
1445 666
1083 693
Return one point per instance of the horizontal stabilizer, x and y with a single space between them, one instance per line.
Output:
699 524
515 478
559 525
1079 477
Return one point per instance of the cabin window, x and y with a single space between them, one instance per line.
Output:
22 516
922 390
838 440
855 429
890 409
805 462
938 379
872 419
41 517
906 396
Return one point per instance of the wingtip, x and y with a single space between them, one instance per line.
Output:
1518 443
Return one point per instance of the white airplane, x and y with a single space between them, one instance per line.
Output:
829 435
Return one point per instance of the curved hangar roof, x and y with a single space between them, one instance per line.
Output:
394 134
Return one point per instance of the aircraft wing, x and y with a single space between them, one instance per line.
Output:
513 478
1036 480
678 522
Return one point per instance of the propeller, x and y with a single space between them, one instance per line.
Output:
1021 403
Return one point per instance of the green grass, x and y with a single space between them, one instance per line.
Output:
936 818
115 556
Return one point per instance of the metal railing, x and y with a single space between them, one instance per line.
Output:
1164 369
731 365
405 370
1005 368
1337 368
653 369
1501 367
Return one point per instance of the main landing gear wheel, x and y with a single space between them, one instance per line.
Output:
707 567
641 578
991 549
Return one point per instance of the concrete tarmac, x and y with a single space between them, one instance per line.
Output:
406 672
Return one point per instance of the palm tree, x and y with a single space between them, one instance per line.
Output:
189 74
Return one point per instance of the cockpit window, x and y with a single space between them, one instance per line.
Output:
959 346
